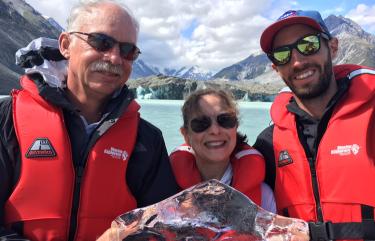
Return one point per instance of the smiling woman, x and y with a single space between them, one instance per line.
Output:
214 149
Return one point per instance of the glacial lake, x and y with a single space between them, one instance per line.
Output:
166 115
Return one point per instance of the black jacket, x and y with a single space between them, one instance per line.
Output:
149 175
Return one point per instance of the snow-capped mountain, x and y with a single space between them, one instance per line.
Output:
54 23
340 25
142 69
179 72
196 73
171 71
248 68
20 24
355 45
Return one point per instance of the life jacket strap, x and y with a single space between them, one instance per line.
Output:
364 230
368 218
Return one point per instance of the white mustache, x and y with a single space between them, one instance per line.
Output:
103 66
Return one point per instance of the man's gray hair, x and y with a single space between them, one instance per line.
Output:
86 5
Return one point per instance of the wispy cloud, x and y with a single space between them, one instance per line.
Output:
365 15
338 10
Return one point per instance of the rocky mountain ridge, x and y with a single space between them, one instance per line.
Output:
19 24
356 46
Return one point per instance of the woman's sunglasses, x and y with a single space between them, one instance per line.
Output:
102 42
225 120
307 45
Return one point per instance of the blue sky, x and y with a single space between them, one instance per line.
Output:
212 34
336 7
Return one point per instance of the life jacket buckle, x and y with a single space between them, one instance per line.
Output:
320 231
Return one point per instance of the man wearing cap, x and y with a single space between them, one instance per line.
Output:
320 149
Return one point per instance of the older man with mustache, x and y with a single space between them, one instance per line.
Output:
74 152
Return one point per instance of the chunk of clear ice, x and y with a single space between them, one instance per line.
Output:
209 211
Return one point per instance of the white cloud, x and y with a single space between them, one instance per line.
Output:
364 15
338 10
226 32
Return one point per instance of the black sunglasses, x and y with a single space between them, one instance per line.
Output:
306 45
225 120
102 42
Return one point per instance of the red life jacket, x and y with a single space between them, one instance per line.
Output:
248 170
42 198
342 180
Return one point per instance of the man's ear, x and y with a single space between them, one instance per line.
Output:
333 47
184 133
64 43
274 67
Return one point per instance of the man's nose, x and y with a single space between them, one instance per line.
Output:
114 55
297 59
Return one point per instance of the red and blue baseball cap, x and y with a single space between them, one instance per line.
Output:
310 18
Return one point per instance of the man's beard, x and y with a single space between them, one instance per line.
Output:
314 90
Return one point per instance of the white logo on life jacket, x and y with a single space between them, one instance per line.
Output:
346 150
41 147
117 153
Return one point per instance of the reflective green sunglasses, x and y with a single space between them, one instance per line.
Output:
307 45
